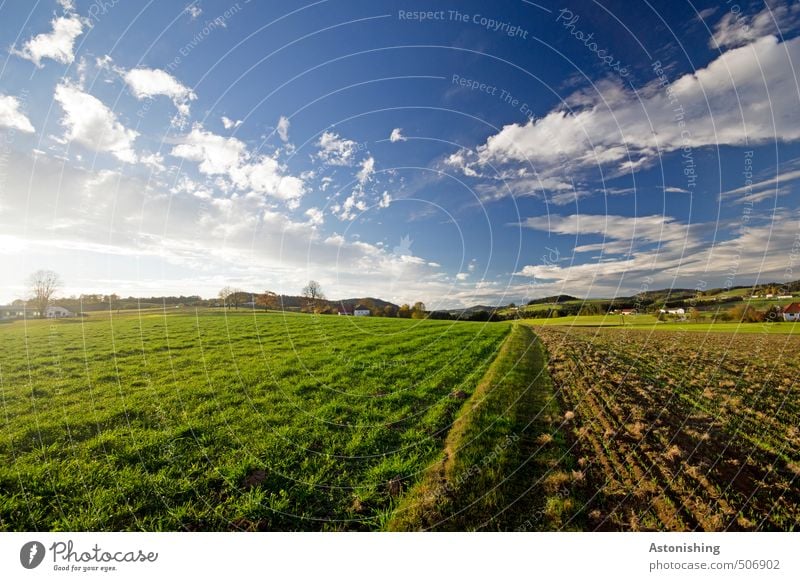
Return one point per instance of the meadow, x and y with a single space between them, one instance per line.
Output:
255 421
226 420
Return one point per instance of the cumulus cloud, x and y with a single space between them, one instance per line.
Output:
742 97
335 150
229 157
57 45
283 128
230 123
89 122
397 135
736 29
11 117
214 154
366 171
147 83
315 216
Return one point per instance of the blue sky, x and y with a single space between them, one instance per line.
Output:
450 152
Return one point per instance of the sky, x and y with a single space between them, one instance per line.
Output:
454 152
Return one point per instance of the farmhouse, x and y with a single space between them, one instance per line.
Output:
791 312
58 313
345 312
678 311
12 312
361 311
628 312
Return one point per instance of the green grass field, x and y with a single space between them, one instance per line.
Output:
649 322
217 421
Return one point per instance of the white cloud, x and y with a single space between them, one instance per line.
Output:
283 128
11 117
154 161
335 150
742 97
397 135
214 154
56 45
366 171
462 276
229 157
230 123
676 190
315 216
148 83
385 200
194 11
662 250
89 122
736 29
773 182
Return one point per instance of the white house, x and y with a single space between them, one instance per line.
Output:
791 312
361 311
678 311
58 313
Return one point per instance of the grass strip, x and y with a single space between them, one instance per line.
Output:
505 464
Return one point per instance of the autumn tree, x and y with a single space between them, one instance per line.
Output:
418 310
268 300
404 312
44 285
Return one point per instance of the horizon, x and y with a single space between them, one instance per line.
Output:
461 156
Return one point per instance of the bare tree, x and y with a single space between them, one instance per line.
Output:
313 292
236 297
224 293
44 284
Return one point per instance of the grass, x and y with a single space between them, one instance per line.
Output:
225 421
501 468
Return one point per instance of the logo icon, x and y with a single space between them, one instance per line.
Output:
31 554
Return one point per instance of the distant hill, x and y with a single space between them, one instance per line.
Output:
671 297
553 300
